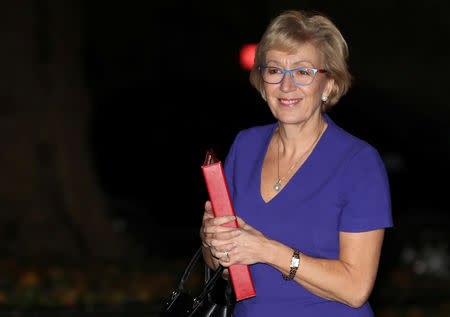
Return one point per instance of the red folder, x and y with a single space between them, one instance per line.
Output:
222 206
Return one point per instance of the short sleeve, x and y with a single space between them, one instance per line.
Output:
229 165
365 193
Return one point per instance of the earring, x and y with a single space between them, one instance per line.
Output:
324 98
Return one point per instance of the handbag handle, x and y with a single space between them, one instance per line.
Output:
188 269
209 283
209 280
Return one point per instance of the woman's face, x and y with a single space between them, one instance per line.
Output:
291 103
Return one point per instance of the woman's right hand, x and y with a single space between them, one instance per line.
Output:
214 235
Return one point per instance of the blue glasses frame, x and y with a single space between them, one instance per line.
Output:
316 70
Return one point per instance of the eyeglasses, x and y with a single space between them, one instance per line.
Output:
300 76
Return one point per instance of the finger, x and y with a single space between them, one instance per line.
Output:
209 229
228 247
226 274
221 237
223 242
208 207
225 260
217 224
220 234
218 248
213 236
213 252
207 216
213 225
208 212
217 254
218 221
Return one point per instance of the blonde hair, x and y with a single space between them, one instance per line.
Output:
293 28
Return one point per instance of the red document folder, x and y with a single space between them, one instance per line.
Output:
222 206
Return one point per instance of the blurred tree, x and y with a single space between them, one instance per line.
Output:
50 202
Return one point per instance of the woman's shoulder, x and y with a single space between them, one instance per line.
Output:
258 130
346 143
256 133
349 152
250 143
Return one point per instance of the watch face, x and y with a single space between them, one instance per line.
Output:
295 262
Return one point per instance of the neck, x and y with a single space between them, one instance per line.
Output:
296 138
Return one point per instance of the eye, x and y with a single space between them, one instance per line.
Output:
304 72
273 70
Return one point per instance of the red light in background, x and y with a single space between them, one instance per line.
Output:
247 56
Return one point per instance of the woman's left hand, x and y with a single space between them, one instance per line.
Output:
249 247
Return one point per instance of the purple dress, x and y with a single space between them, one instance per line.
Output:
342 186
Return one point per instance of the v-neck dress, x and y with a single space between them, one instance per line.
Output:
342 186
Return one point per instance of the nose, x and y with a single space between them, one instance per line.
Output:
287 84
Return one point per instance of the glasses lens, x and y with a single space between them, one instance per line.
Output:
272 75
303 76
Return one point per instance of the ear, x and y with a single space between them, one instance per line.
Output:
328 87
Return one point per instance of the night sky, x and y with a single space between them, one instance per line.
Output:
166 85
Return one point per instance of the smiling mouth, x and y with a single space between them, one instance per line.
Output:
289 103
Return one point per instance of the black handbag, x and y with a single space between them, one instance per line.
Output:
213 300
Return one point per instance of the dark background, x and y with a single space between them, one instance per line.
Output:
139 90
166 85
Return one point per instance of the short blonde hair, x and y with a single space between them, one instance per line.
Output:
291 29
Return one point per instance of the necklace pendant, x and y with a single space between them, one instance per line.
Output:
277 185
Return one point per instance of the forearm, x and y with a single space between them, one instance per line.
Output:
330 279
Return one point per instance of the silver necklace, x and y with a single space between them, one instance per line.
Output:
277 185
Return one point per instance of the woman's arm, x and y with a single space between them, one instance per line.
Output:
348 280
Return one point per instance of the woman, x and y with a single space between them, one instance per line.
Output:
312 200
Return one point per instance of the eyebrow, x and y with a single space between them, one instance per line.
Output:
294 64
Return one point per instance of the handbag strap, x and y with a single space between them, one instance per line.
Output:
210 281
207 288
188 269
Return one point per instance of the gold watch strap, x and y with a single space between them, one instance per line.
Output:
293 270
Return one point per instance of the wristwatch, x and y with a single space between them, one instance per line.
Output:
295 261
